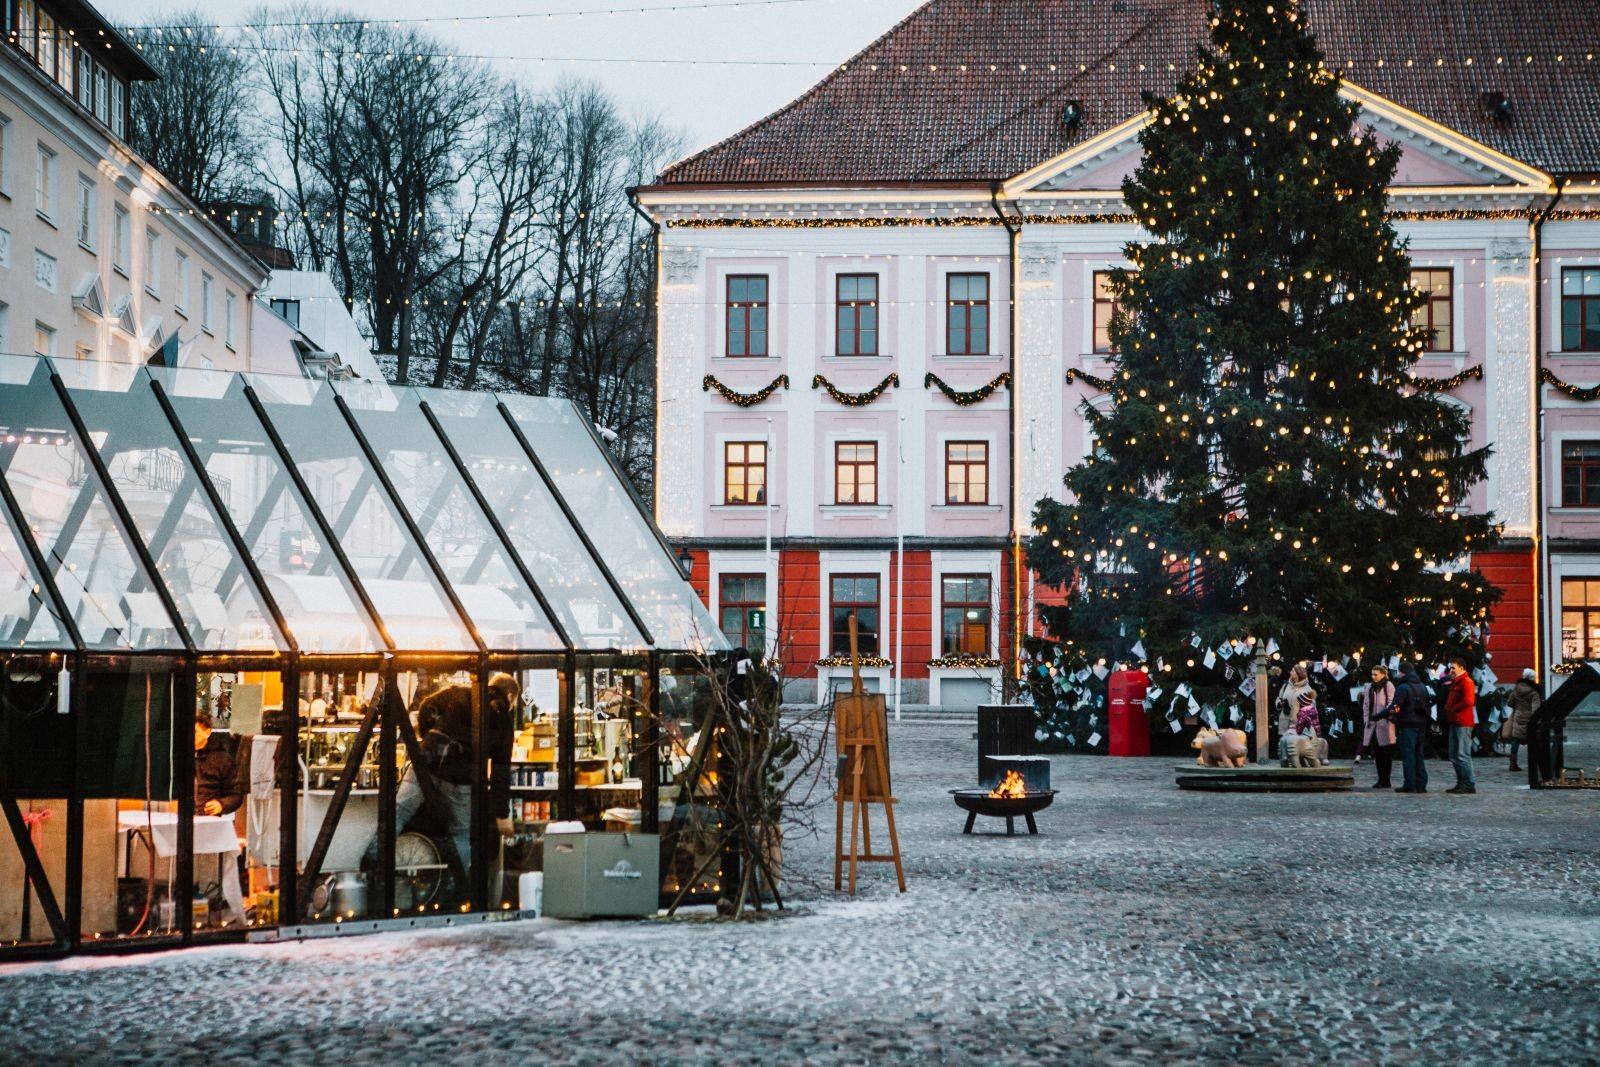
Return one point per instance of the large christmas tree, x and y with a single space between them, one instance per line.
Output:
1268 468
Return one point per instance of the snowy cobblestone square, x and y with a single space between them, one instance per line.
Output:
1142 925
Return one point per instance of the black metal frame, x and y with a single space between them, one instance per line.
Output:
387 723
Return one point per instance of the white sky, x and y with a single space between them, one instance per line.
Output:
708 102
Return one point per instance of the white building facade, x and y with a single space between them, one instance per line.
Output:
880 313
101 257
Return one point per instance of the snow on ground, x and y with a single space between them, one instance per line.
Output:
1142 925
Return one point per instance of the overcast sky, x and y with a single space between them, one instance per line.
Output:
707 101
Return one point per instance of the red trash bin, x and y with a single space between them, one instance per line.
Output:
1130 731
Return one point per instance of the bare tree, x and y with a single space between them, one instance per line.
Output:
192 122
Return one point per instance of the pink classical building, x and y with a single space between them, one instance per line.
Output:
882 308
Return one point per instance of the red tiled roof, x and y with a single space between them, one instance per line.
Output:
861 125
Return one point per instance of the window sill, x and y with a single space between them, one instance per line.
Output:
229 346
865 511
151 293
967 509
89 248
836 358
967 357
743 509
1576 511
178 311
1562 353
46 219
119 269
206 330
736 360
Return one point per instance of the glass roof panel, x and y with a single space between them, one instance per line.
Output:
27 617
577 591
481 572
315 595
372 533
104 587
644 568
220 605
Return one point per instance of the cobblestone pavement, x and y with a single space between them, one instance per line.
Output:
1142 925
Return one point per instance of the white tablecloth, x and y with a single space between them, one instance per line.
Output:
212 833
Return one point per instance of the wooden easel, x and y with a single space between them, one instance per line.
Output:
861 727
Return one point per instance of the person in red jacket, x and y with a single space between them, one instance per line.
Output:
1460 716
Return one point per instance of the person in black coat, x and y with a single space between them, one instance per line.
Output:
1412 713
218 789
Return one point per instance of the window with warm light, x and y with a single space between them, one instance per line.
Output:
1580 309
1580 619
967 315
966 472
965 610
855 472
1436 314
744 472
747 315
856 593
856 315
1580 474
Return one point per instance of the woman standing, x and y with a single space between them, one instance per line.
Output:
1525 700
1377 734
1291 695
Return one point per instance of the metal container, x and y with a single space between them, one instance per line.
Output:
350 895
593 875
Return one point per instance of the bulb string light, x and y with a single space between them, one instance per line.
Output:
743 400
968 397
1443 385
1078 374
855 400
1585 393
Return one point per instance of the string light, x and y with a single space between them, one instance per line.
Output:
1443 385
1585 393
1076 374
855 400
744 400
971 396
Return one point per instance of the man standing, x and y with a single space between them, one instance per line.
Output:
1460 717
1411 705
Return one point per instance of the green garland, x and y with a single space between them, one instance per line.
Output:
1576 392
862 661
855 400
971 396
964 660
1443 385
1102 384
744 400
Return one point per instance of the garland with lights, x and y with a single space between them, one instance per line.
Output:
1102 384
1085 219
1576 392
855 400
1255 477
968 397
744 400
1443 385
964 660
862 661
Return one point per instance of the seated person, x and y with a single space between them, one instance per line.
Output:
216 770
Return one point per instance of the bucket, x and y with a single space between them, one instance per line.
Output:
530 892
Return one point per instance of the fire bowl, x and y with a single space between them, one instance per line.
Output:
976 802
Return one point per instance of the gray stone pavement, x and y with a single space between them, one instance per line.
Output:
1143 925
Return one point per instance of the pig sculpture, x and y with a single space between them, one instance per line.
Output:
1220 748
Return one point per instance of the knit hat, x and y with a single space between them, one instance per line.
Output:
1528 675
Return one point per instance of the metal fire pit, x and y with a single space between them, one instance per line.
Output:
976 802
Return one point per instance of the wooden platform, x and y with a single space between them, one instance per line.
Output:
1265 778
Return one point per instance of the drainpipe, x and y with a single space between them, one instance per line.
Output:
1014 232
1541 549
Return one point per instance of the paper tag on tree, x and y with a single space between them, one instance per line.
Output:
1137 649
1209 659
1094 739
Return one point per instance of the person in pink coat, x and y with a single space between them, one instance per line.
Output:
1377 726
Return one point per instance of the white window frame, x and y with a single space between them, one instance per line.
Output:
121 239
206 284
119 109
46 36
102 94
46 161
49 334
230 301
180 295
88 194
27 20
84 75
152 260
